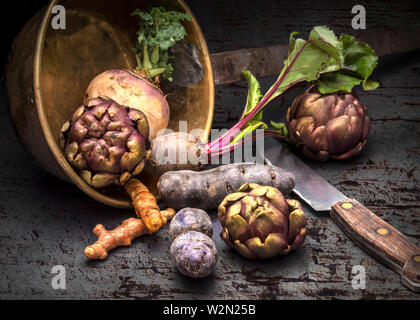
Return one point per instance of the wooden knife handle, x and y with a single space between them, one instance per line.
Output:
380 240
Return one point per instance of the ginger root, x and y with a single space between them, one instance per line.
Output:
151 220
145 204
123 235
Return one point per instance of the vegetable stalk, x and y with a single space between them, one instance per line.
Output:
226 137
334 64
159 30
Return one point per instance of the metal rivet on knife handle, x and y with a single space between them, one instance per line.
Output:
358 222
347 205
382 231
380 239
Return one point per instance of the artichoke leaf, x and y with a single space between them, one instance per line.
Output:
243 250
274 244
266 222
238 228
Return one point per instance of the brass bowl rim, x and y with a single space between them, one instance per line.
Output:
55 149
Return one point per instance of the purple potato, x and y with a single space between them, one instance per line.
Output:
207 189
190 219
194 254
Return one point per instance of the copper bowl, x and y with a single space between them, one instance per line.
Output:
51 69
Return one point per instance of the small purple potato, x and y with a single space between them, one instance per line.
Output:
194 254
190 219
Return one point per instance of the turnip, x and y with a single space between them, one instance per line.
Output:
176 151
159 30
131 89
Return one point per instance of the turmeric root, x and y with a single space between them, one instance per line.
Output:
123 235
145 204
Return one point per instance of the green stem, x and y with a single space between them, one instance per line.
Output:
155 55
146 61
155 72
224 139
155 52
139 64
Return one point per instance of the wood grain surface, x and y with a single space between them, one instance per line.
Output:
379 239
46 222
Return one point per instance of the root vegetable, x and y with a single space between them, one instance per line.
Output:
207 189
123 235
190 219
130 89
145 205
152 219
194 254
176 151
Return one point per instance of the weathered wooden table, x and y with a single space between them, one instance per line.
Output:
46 222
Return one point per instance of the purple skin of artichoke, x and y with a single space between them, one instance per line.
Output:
328 126
105 142
194 254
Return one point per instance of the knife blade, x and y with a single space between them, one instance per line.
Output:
367 230
320 199
269 61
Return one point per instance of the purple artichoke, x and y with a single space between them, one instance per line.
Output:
328 126
258 222
105 142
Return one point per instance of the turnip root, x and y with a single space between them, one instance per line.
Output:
130 89
207 189
176 151
190 219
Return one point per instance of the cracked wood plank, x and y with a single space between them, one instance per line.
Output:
41 227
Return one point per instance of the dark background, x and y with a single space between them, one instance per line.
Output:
45 221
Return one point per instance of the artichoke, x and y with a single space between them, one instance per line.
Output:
105 142
328 126
258 222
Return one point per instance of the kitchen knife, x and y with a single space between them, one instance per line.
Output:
269 61
367 230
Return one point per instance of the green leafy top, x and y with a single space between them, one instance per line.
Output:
359 63
159 30
335 64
